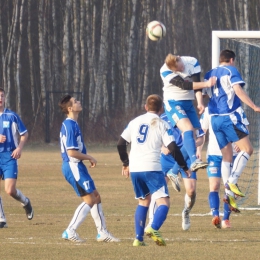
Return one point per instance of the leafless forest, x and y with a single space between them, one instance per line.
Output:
98 50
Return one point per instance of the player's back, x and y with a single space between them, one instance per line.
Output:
146 133
223 99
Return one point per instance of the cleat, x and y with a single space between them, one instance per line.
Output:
3 225
72 236
174 180
185 219
155 236
198 164
147 227
234 188
216 221
138 243
28 210
225 224
106 237
231 202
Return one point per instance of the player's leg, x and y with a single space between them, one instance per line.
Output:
86 192
2 214
158 187
214 175
100 222
189 198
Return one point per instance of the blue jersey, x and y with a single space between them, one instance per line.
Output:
223 99
71 139
12 127
176 132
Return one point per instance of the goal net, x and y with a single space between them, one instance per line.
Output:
246 45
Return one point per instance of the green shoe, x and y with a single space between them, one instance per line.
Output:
232 203
138 243
156 236
234 188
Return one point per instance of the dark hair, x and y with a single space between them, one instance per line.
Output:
2 90
154 103
226 55
65 103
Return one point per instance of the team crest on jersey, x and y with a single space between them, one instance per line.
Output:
211 163
6 124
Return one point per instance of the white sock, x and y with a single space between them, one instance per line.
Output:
99 218
2 214
20 197
226 168
152 208
238 166
79 216
189 201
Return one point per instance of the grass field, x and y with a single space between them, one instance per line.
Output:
54 203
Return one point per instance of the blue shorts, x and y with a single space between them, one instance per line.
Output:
176 110
78 177
8 166
227 131
214 167
146 183
167 162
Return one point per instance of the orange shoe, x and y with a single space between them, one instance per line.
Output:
216 221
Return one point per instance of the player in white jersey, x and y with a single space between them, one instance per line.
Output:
228 121
181 76
147 133
214 159
74 152
171 169
11 128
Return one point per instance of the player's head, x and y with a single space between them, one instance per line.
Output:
174 62
227 56
154 103
2 97
69 104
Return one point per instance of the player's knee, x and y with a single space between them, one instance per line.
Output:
10 191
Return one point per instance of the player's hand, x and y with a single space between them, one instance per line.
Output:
2 138
125 171
188 173
93 162
236 148
212 81
201 108
16 154
257 109
165 150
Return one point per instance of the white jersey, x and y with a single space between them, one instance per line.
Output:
147 133
170 91
213 148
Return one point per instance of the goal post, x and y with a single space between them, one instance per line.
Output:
217 36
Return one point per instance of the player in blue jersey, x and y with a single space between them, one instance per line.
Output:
181 76
74 152
214 159
228 121
147 133
13 136
171 170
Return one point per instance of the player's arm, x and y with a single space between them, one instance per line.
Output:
81 156
245 98
122 151
178 81
16 154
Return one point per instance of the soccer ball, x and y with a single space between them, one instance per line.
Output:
155 30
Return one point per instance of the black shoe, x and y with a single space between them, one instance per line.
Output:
3 225
28 210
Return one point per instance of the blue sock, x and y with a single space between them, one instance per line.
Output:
140 218
160 216
227 211
214 203
190 145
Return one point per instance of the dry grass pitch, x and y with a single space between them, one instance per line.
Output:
54 203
